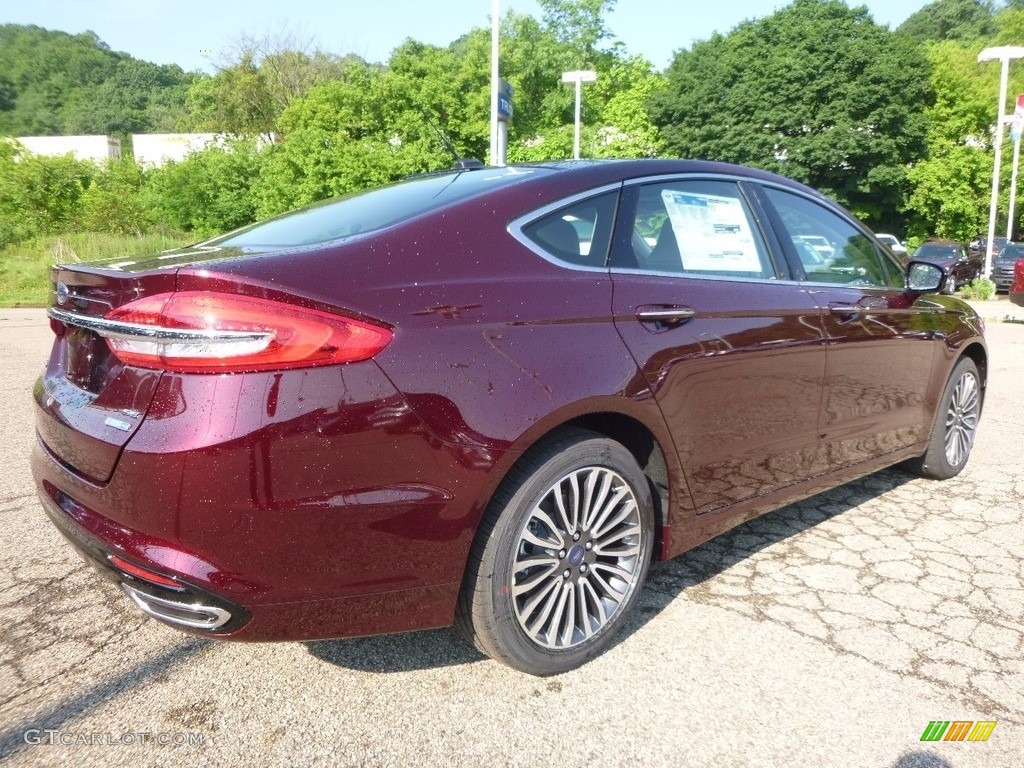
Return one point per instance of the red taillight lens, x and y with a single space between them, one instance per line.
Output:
142 573
204 332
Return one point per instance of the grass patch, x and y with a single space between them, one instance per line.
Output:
25 267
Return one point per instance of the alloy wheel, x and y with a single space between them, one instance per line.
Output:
962 419
577 559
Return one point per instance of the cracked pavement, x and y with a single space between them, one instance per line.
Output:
826 633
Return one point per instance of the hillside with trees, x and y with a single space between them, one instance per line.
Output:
53 84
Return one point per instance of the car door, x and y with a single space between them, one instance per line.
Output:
733 353
881 348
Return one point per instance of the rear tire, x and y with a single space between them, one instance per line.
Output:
561 555
956 424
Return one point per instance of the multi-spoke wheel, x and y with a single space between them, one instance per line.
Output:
962 419
956 424
561 555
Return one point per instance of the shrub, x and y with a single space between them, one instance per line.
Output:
979 289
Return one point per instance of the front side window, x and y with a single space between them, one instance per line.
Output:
694 227
830 249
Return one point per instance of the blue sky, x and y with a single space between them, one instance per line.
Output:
191 33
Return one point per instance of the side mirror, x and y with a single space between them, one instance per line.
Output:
924 277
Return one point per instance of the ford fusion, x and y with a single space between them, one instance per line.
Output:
485 397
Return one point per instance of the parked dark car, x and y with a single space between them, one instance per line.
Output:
954 258
434 403
978 244
1003 265
1017 289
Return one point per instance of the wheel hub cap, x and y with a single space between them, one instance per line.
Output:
578 558
962 420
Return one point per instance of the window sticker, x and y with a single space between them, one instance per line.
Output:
713 233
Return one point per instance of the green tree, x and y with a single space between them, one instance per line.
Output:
208 192
360 131
54 83
818 92
258 81
951 20
39 195
115 201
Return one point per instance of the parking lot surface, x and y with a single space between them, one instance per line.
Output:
831 632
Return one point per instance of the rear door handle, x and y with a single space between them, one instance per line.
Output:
668 316
846 311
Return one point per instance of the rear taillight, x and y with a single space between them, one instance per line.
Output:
205 332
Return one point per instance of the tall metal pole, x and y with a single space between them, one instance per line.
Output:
1004 54
1013 188
578 78
495 158
994 202
576 133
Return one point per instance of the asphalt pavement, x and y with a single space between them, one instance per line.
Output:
828 633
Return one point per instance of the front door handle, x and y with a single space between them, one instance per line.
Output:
669 316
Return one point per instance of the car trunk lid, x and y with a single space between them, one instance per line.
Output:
91 403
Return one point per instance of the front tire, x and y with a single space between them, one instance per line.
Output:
561 555
956 424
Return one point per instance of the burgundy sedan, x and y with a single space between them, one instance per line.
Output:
486 397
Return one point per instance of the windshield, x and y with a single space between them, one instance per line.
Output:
373 209
937 251
1011 252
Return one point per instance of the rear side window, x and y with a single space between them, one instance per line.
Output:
694 227
830 249
577 234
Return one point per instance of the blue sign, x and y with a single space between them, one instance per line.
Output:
505 101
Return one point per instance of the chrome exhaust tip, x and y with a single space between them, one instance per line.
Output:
181 612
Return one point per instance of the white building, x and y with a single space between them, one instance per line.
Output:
95 148
155 149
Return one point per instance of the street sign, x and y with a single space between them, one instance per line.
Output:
505 101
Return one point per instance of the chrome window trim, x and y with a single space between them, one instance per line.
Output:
515 227
703 276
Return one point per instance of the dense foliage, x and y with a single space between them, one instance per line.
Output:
896 124
53 83
818 92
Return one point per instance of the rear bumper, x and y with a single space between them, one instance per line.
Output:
183 605
200 611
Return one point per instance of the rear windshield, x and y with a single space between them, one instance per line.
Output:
373 209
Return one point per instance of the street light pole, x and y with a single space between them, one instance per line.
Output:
579 77
495 158
1004 54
